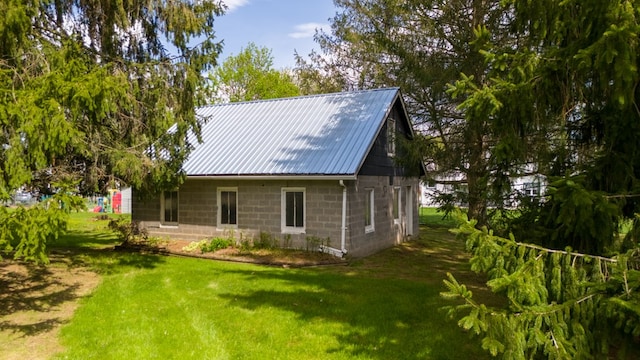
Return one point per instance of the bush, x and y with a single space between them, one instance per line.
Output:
128 231
195 245
265 241
216 244
314 242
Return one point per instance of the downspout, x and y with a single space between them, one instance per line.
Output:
343 232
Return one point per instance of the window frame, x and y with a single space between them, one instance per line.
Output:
532 189
219 192
391 137
396 206
163 220
369 203
283 211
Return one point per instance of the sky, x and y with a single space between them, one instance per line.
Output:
283 26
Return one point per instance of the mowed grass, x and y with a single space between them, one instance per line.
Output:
386 306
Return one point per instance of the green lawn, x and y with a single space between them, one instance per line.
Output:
432 217
386 306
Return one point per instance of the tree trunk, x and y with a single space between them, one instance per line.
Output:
477 182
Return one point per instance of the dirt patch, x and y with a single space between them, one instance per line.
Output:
276 257
35 301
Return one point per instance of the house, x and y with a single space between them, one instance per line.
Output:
301 169
532 185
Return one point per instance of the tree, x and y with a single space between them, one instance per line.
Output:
572 80
422 47
89 92
559 304
250 76
575 73
313 80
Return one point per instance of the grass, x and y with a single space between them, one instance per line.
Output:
435 219
88 230
386 306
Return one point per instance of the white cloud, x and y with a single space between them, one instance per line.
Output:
306 30
234 4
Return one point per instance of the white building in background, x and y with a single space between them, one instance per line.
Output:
528 185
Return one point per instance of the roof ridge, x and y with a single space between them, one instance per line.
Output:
300 97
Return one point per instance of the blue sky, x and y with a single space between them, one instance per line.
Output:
280 25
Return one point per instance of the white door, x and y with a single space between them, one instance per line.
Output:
409 211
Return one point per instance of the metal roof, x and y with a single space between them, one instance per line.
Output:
306 136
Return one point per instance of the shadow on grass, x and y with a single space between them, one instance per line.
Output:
377 319
86 239
35 299
38 299
96 249
27 330
34 290
108 261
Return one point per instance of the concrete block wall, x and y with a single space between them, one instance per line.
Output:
386 232
145 211
259 210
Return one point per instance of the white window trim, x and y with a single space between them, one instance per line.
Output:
169 224
371 193
283 211
219 211
391 137
396 220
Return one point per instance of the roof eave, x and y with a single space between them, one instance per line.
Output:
275 177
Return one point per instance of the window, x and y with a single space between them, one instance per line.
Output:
532 189
369 213
169 205
293 210
391 137
227 207
396 204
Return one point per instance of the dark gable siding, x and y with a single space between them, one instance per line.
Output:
378 163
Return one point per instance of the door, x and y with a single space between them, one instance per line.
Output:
409 205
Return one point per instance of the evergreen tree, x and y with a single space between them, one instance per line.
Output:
422 47
89 92
560 304
571 80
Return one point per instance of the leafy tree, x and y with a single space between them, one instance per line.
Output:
250 76
89 91
314 80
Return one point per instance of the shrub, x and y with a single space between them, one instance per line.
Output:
265 241
216 244
314 242
128 231
195 245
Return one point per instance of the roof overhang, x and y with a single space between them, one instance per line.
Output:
273 177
